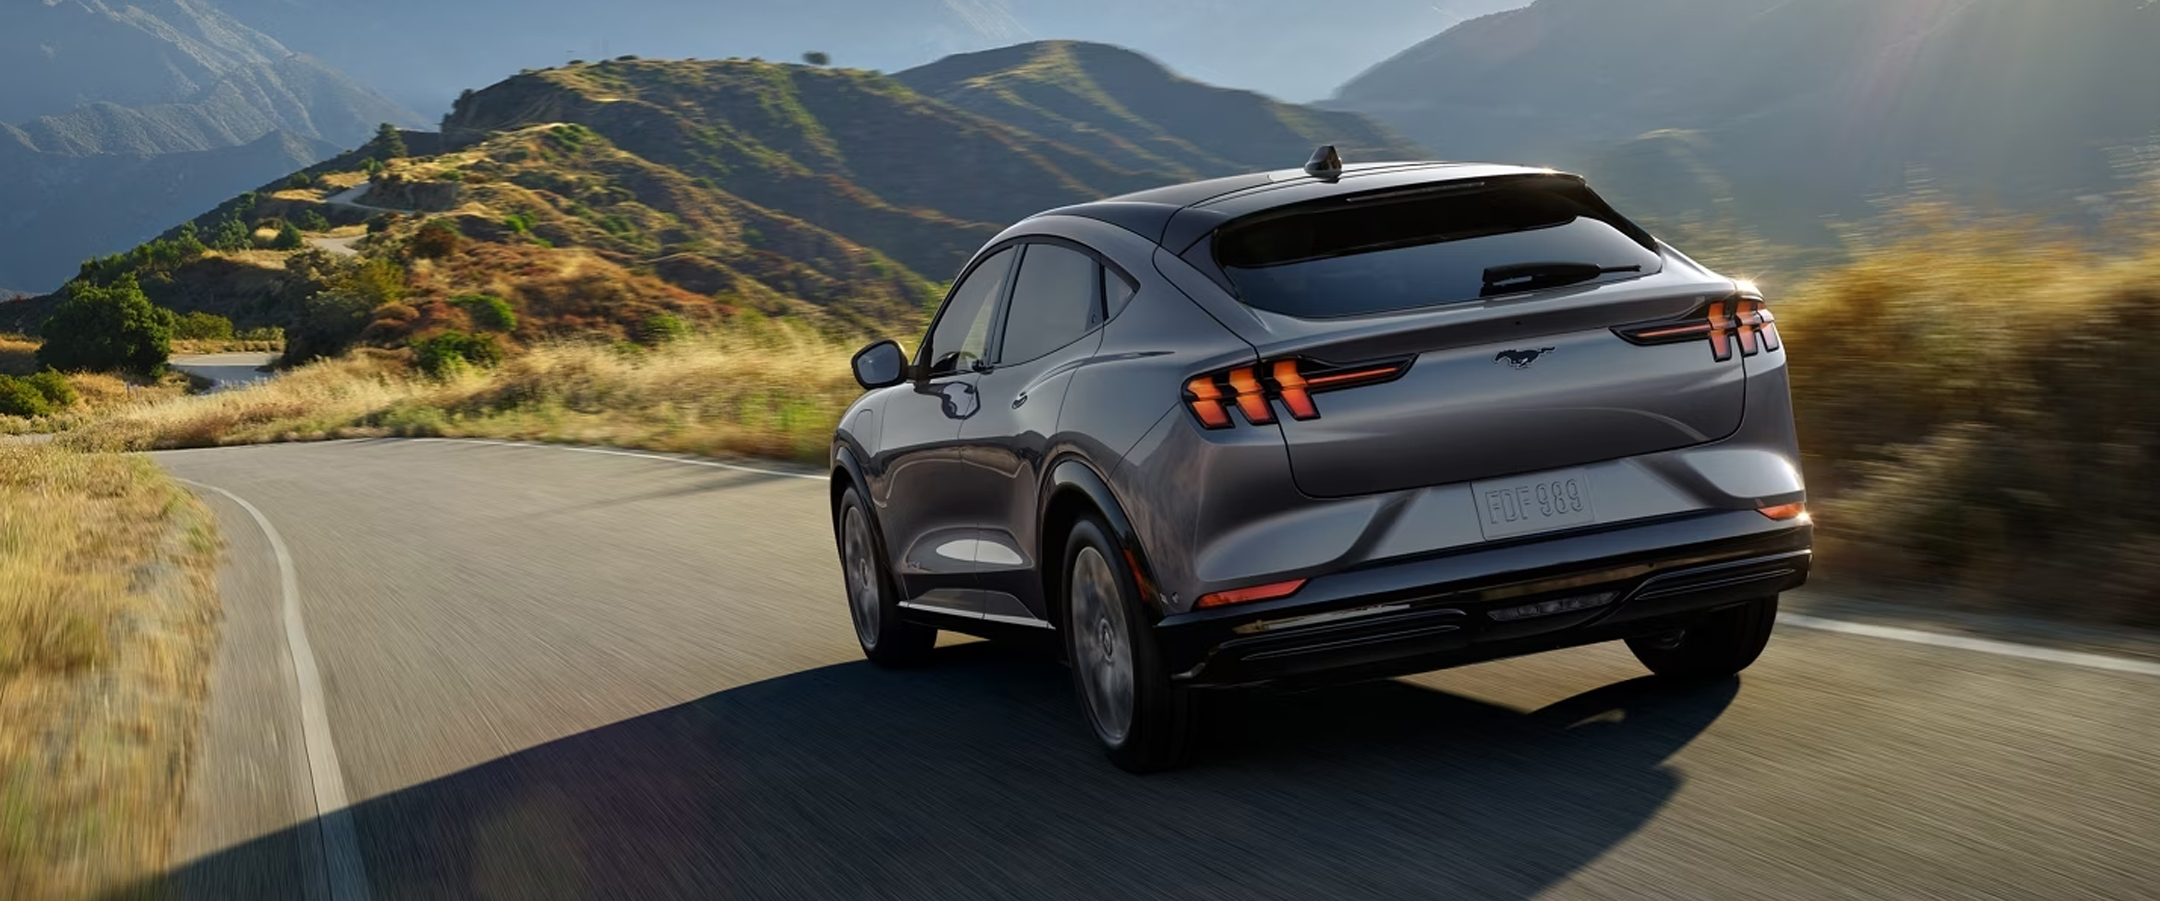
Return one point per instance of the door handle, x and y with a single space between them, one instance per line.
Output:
1017 401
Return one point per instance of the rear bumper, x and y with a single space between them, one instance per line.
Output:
1437 612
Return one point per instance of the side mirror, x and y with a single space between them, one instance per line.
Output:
880 365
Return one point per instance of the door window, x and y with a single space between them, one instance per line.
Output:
1055 301
962 333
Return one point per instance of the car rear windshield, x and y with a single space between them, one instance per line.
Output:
1442 244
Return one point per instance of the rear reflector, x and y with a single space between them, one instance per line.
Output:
1249 595
1553 608
1784 512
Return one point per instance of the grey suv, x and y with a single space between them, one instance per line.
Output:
1324 424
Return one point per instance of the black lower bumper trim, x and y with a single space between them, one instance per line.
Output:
1395 620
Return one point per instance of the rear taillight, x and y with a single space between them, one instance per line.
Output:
1741 320
1253 390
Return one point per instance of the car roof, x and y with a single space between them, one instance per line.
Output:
1156 213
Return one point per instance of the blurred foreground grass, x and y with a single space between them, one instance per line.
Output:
107 624
1976 404
768 388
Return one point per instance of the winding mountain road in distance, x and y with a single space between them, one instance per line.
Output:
539 673
224 370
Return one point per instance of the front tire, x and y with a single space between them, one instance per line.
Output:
873 603
1143 722
1719 644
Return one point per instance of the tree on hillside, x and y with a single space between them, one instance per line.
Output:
389 143
288 238
233 235
107 328
188 242
817 58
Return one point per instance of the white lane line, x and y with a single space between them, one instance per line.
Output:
340 841
623 453
1979 645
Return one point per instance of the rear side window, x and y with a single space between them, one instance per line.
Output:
1407 250
1053 302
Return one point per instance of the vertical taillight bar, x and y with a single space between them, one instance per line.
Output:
1254 389
1250 399
1292 385
1206 402
1741 320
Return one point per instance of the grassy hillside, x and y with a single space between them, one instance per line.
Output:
603 198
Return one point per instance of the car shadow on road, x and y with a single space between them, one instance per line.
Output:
972 779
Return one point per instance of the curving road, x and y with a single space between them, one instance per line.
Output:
538 673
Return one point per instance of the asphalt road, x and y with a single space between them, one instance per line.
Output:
558 674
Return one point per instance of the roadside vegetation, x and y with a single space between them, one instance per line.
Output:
107 621
1974 397
759 387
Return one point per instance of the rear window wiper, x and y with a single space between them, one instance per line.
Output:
1535 276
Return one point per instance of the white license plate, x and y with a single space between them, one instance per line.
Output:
1530 504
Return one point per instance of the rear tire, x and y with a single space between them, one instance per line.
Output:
1143 722
1717 645
873 602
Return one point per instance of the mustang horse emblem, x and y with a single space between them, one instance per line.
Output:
1521 359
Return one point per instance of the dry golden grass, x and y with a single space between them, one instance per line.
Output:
766 389
226 346
1974 400
107 618
18 355
97 394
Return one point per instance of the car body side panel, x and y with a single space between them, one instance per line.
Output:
917 453
1005 447
1149 349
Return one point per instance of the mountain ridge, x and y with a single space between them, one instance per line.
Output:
596 197
118 119
1801 111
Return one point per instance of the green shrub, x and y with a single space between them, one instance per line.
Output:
443 354
436 240
19 398
54 386
201 326
331 319
662 328
300 180
288 238
489 312
313 221
107 328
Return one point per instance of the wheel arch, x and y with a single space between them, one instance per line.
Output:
1074 489
846 473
